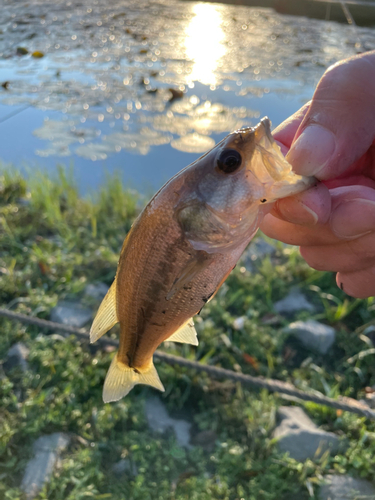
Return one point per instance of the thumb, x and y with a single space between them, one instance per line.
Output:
339 126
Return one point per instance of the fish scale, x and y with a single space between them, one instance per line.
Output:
153 286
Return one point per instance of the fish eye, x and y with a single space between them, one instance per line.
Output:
229 161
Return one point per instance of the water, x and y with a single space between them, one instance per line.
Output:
99 99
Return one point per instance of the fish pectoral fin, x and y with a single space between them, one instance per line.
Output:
192 269
106 317
186 334
121 379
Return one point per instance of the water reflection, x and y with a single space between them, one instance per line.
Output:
204 43
102 90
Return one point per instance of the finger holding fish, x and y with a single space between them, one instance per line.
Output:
324 257
183 246
309 208
294 234
358 284
350 210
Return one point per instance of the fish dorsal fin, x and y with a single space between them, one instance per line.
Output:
121 379
106 317
186 334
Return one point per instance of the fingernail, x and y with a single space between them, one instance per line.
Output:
353 218
312 150
296 212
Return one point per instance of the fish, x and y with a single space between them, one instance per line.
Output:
183 246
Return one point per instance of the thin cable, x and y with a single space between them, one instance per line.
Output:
14 113
346 404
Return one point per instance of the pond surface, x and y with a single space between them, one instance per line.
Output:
99 99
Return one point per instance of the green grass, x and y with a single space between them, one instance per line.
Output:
52 244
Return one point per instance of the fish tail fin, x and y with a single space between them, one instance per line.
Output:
106 317
121 379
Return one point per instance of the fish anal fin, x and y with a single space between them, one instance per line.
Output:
106 317
186 334
121 379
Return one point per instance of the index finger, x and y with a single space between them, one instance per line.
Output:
295 234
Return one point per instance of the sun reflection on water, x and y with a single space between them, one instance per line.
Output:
204 43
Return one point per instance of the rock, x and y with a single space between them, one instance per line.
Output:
239 323
300 437
96 291
157 415
313 334
39 469
17 356
346 488
71 313
257 250
159 421
205 439
294 302
260 248
57 337
125 466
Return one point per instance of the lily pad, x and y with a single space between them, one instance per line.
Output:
22 51
95 151
193 143
37 54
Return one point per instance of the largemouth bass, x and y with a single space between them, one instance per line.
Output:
183 246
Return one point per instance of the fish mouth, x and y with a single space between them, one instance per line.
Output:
290 185
270 167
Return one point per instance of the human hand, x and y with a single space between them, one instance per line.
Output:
333 138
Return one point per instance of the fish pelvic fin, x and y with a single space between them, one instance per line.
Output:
121 379
106 317
186 334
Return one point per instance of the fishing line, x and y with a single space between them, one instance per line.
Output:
14 113
347 14
345 404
